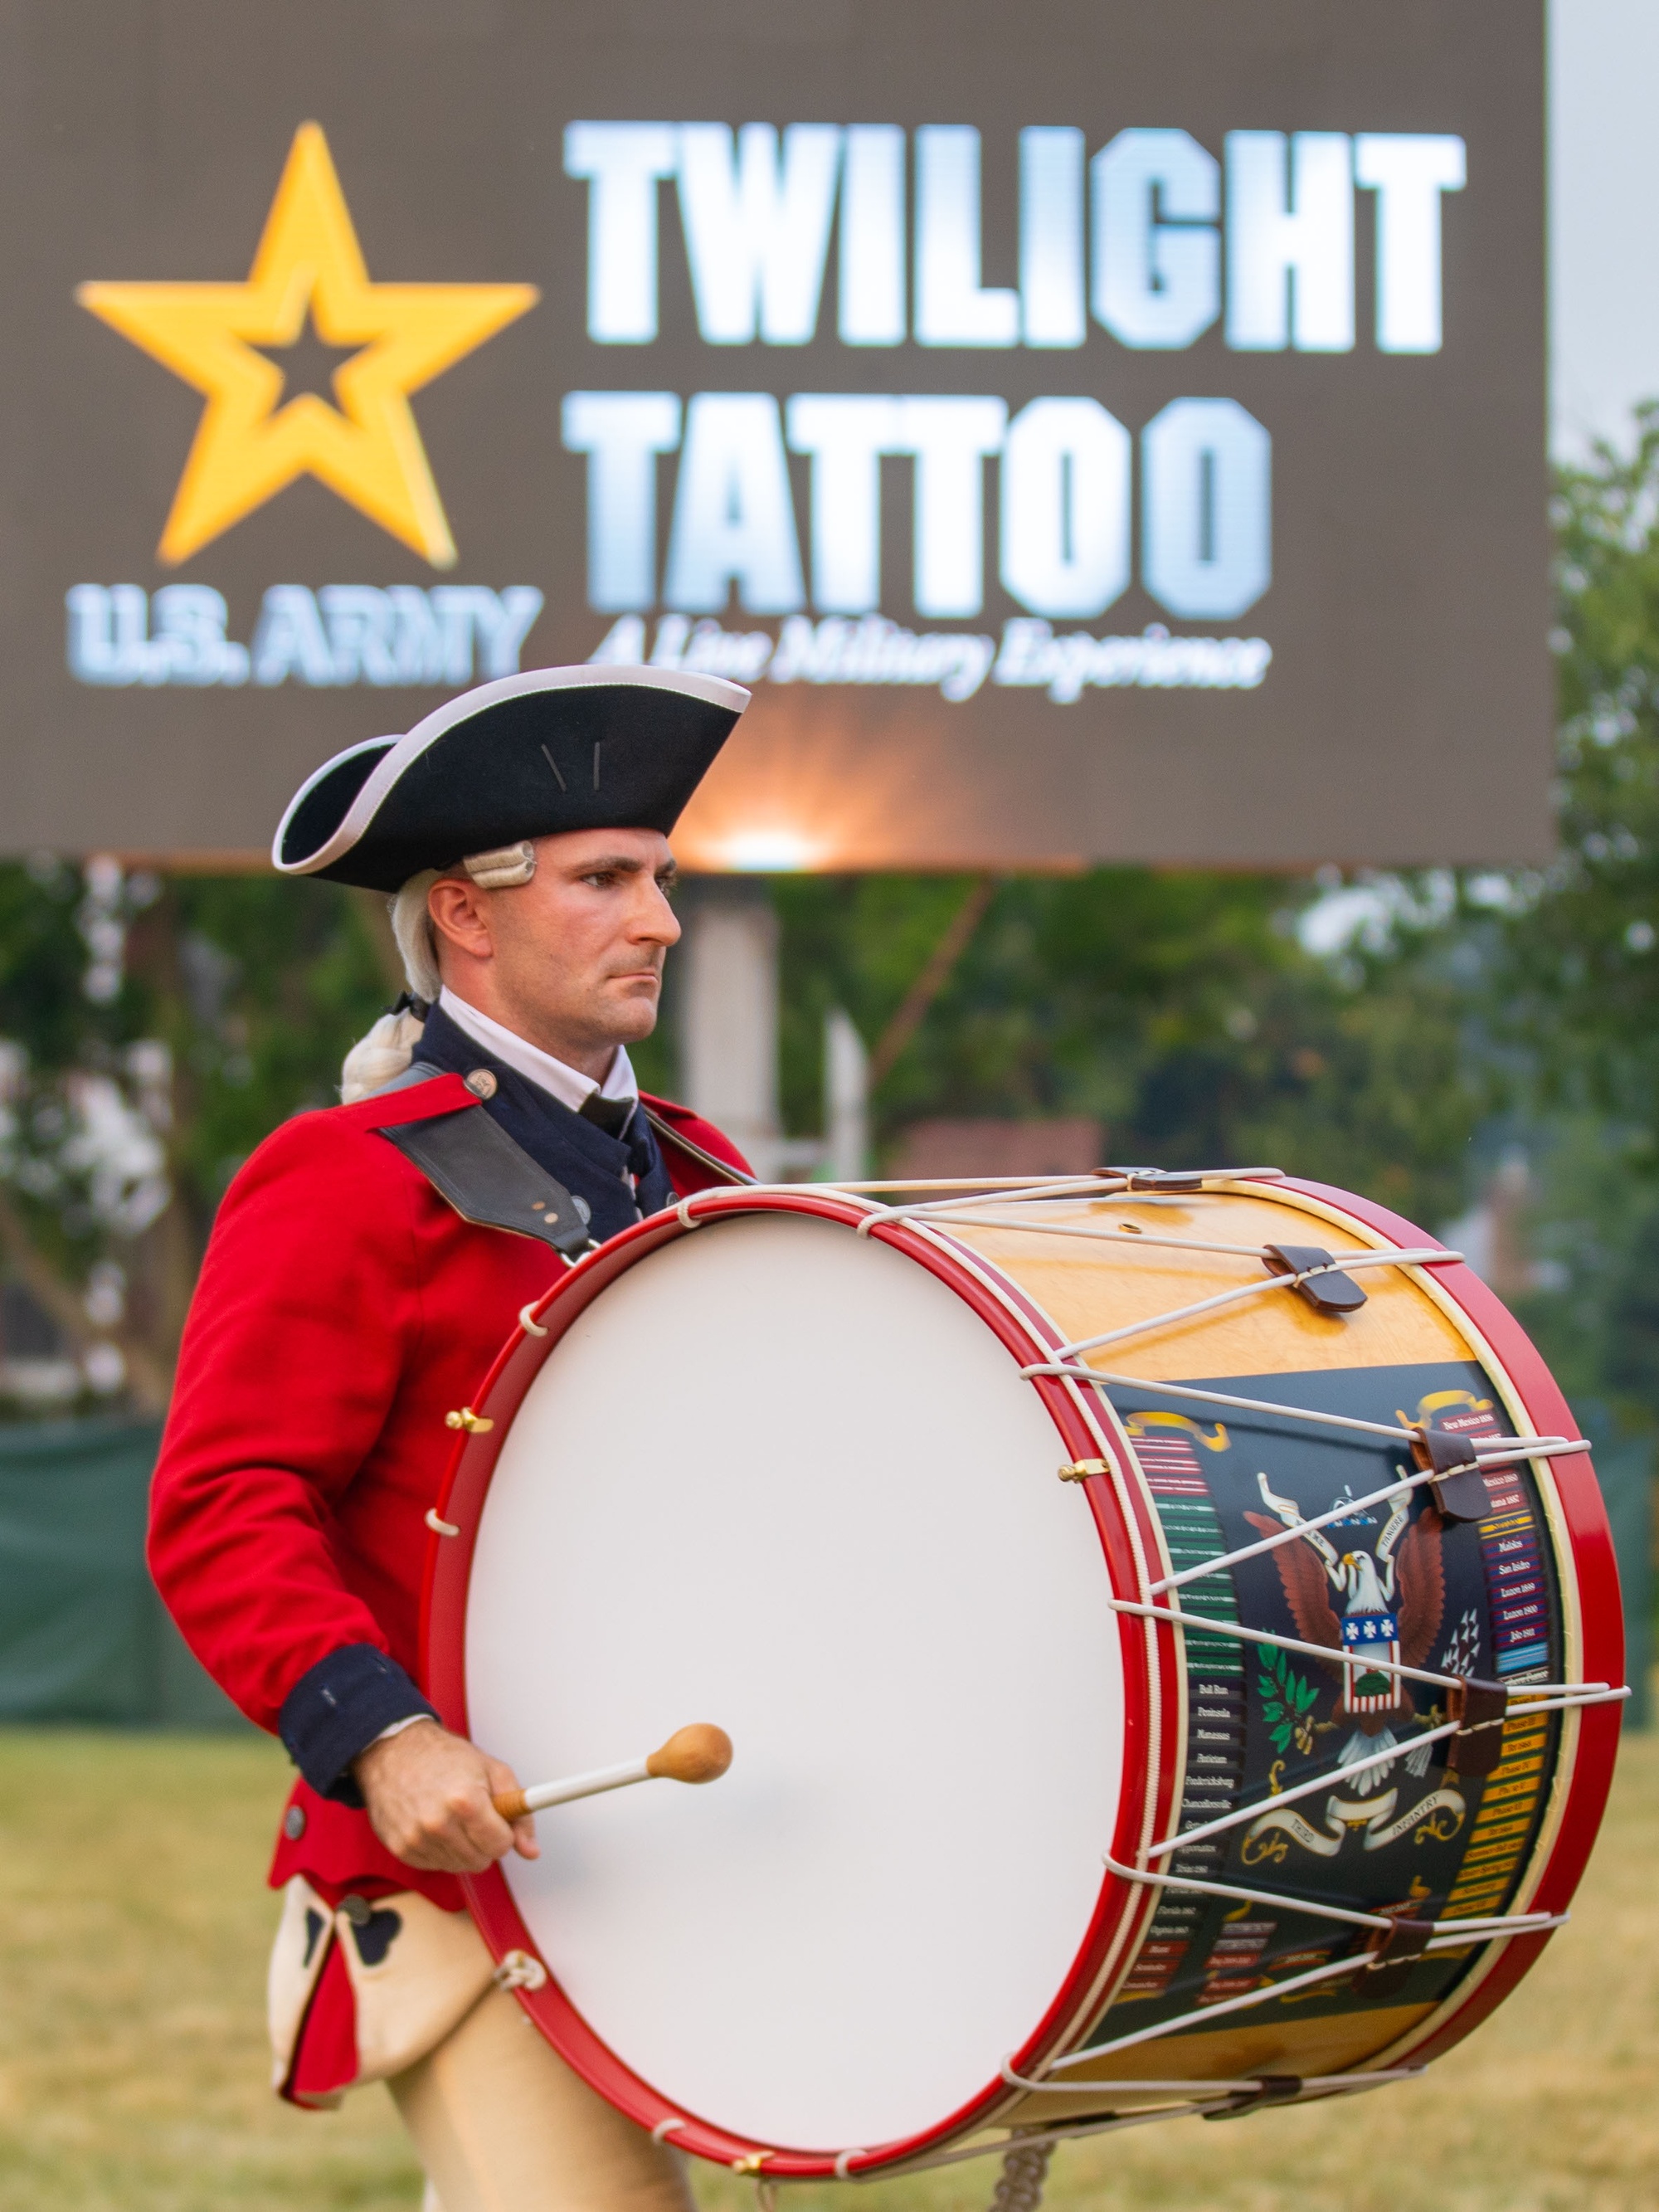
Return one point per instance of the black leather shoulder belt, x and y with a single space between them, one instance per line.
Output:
469 1160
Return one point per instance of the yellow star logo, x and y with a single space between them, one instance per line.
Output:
366 449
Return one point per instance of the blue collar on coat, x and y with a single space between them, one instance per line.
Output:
604 1171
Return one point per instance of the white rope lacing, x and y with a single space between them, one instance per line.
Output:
1519 1448
1367 1253
1336 1970
1269 1406
972 1192
1207 1626
1343 1511
1485 1926
1317 2088
1015 1186
1346 1266
519 1971
936 1208
1066 2131
1338 1774
735 1198
1238 1818
1103 1183
1248 2085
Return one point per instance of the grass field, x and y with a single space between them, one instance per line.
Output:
133 2068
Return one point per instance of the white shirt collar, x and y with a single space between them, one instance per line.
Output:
568 1085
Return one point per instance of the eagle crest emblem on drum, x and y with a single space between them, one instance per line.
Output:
1391 1601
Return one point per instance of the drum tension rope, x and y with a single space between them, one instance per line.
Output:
1443 1935
1478 1929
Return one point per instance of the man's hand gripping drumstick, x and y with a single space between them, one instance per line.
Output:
438 1803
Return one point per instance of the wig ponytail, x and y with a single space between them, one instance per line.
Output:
388 1049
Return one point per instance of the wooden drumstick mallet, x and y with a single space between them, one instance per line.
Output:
700 1752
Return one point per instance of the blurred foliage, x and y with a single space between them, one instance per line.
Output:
1182 1009
258 987
252 983
1576 982
1593 1236
1571 977
156 1030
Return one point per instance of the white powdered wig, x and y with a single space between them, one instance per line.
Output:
386 1053
411 925
381 1057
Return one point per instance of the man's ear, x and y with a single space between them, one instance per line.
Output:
460 917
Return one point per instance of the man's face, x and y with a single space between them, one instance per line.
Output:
573 960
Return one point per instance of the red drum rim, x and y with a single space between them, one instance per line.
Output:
1149 1804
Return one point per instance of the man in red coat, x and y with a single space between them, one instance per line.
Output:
366 1267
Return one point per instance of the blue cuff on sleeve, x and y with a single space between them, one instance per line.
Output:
338 1708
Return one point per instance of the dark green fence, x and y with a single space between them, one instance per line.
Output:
83 1637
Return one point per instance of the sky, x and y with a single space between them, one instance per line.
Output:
1604 158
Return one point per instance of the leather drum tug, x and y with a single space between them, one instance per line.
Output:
1167 1626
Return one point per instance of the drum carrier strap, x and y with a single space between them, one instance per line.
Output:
469 1160
666 1134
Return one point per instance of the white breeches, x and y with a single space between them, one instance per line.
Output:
502 2125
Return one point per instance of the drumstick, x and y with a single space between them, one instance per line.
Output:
700 1752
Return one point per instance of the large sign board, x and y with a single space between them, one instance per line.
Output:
1094 432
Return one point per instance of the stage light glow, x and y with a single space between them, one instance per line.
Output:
775 851
795 791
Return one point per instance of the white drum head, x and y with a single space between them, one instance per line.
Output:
781 1478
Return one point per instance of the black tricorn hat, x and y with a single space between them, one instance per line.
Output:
555 749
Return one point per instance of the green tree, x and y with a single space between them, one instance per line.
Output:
1180 1008
1573 969
1576 982
154 1032
1548 977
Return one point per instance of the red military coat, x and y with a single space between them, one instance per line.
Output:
344 1309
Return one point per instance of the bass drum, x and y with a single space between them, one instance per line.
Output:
1153 1683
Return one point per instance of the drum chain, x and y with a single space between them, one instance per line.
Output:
1024 2171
